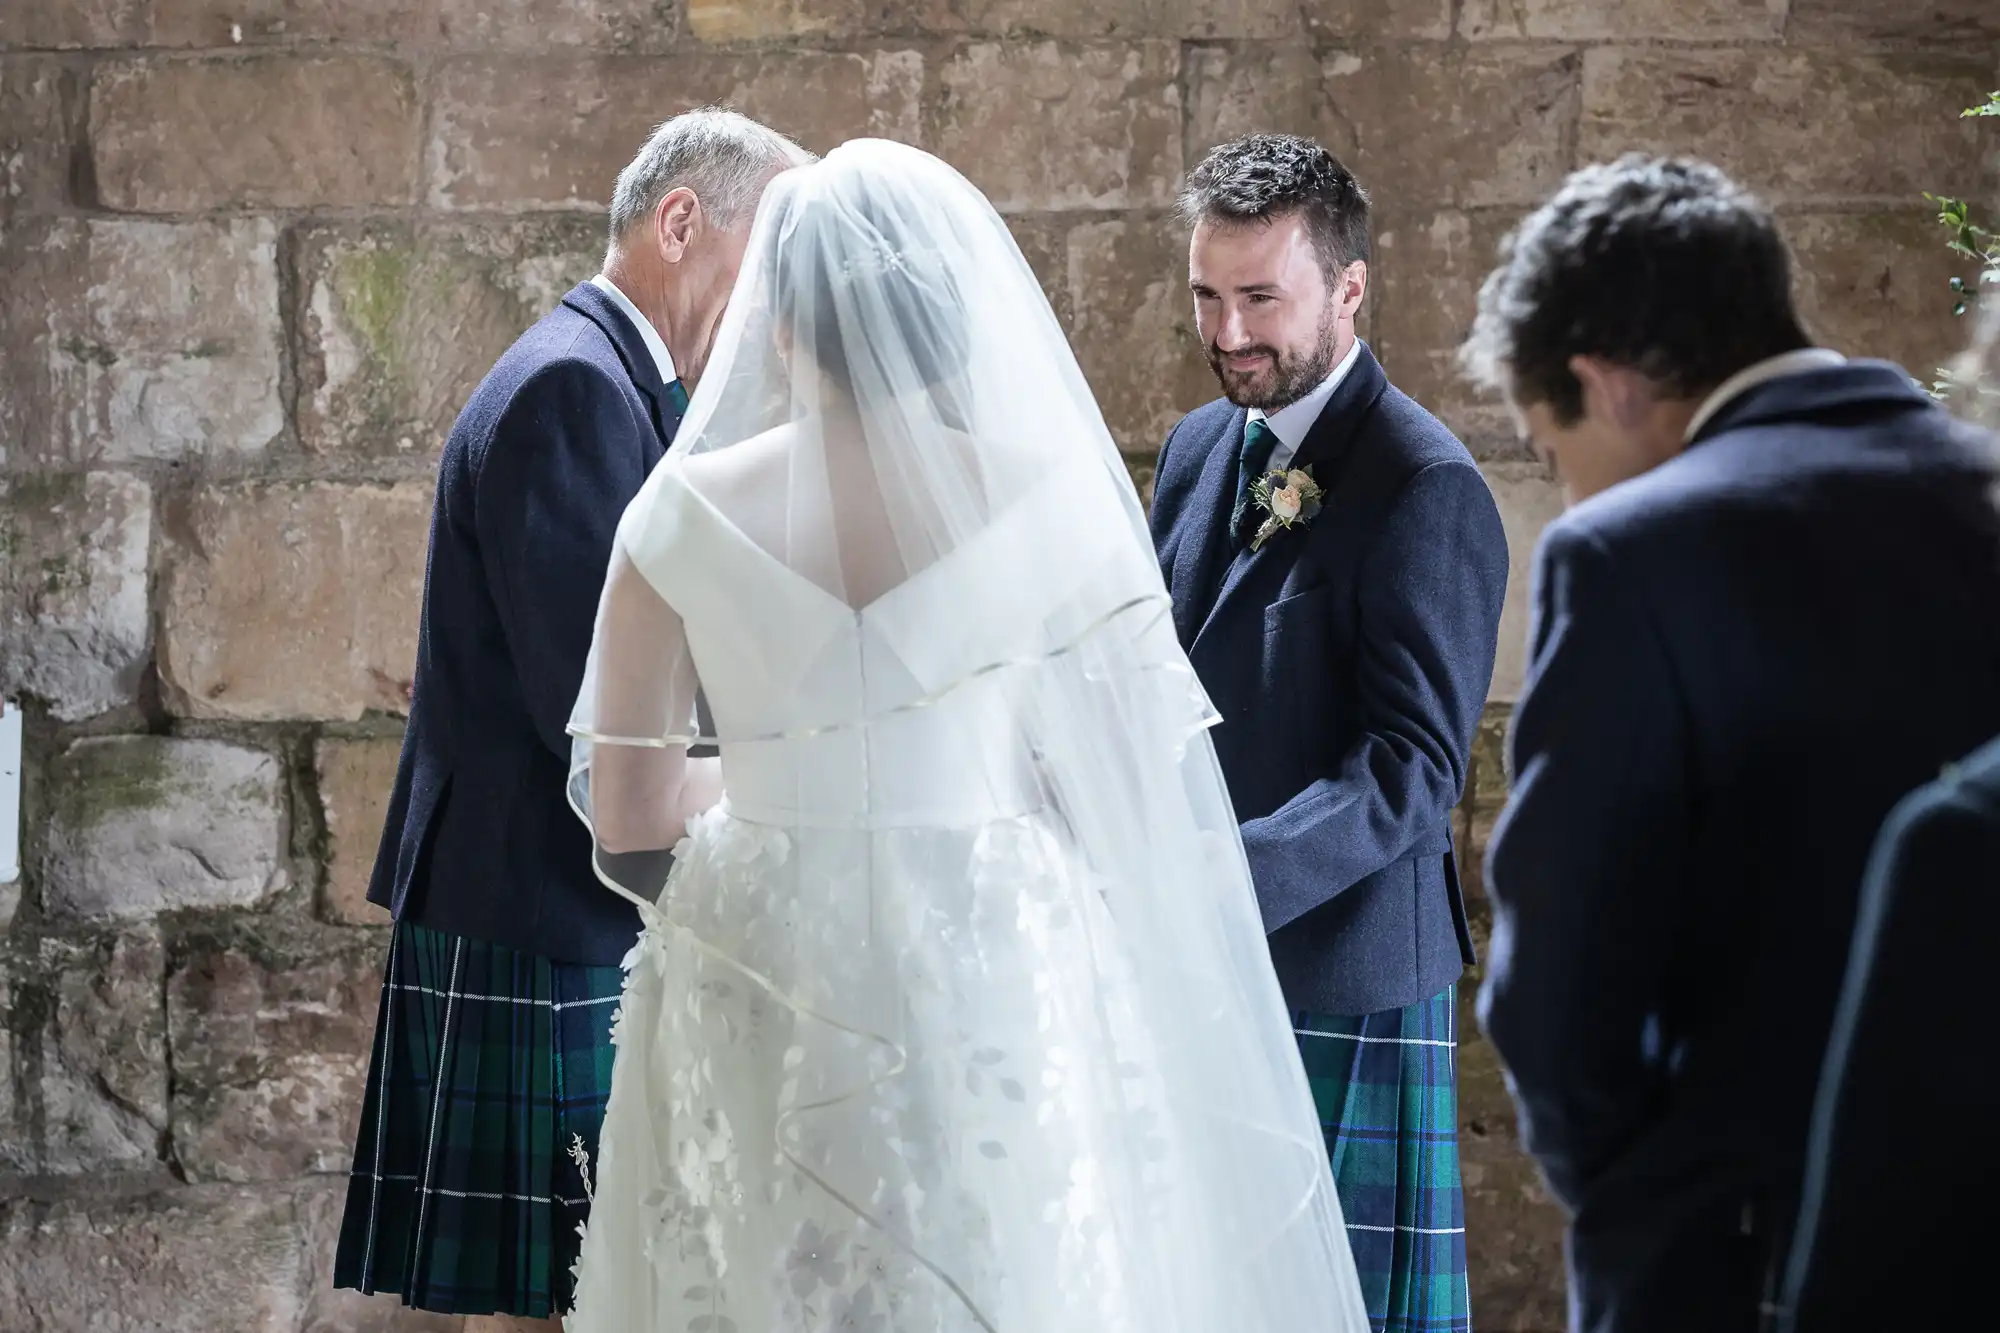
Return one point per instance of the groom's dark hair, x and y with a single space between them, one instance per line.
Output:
1260 178
1663 265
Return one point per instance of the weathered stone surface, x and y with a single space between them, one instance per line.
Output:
1173 20
1042 125
1497 128
745 21
41 104
1879 285
543 25
1133 328
128 340
185 1260
1426 276
74 23
270 1034
1044 243
355 778
331 130
90 1058
1243 88
1942 21
74 628
518 133
1528 499
398 323
1627 20
1795 125
150 824
227 23
294 601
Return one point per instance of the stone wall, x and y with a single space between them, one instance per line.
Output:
253 255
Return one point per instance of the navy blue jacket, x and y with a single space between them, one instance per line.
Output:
1909 1079
1738 663
1350 661
539 468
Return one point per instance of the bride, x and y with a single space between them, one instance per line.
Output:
954 1011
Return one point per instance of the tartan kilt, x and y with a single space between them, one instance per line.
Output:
488 1063
1386 1086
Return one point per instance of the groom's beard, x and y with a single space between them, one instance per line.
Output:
1284 378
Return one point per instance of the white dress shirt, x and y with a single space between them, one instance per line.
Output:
654 342
1759 372
1294 421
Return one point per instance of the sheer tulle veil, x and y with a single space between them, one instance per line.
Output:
1033 1048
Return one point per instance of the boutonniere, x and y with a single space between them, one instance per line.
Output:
1291 499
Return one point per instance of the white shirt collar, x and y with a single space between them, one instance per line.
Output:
1294 421
654 342
1760 372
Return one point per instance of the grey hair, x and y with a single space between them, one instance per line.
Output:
724 157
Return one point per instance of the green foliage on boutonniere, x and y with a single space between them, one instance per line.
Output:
1289 499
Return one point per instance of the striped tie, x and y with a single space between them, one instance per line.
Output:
678 397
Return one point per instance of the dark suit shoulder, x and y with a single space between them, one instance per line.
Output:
1186 451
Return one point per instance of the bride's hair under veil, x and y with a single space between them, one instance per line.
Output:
963 980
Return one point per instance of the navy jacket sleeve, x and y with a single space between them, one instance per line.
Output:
565 459
1431 592
1587 866
1927 916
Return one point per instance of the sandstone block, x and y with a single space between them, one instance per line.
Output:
1247 87
355 779
399 323
1631 20
221 24
1133 328
40 111
1426 276
92 1058
133 340
1941 21
1528 499
1047 126
542 25
271 1033
1829 125
331 131
1878 284
749 21
550 133
185 1260
294 601
74 627
148 824
1498 126
74 23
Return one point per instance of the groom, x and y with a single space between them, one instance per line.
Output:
1343 619
492 1057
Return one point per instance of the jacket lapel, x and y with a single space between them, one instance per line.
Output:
1204 544
1324 451
587 300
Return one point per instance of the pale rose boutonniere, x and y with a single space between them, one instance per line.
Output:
1292 499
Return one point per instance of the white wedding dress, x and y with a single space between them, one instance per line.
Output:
954 1014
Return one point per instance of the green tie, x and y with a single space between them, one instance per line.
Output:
1259 442
678 397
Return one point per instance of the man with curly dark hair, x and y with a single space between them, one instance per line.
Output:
1768 614
1337 568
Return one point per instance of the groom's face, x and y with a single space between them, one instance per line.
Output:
1267 320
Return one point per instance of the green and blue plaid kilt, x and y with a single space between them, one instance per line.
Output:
464 1198
1386 1086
